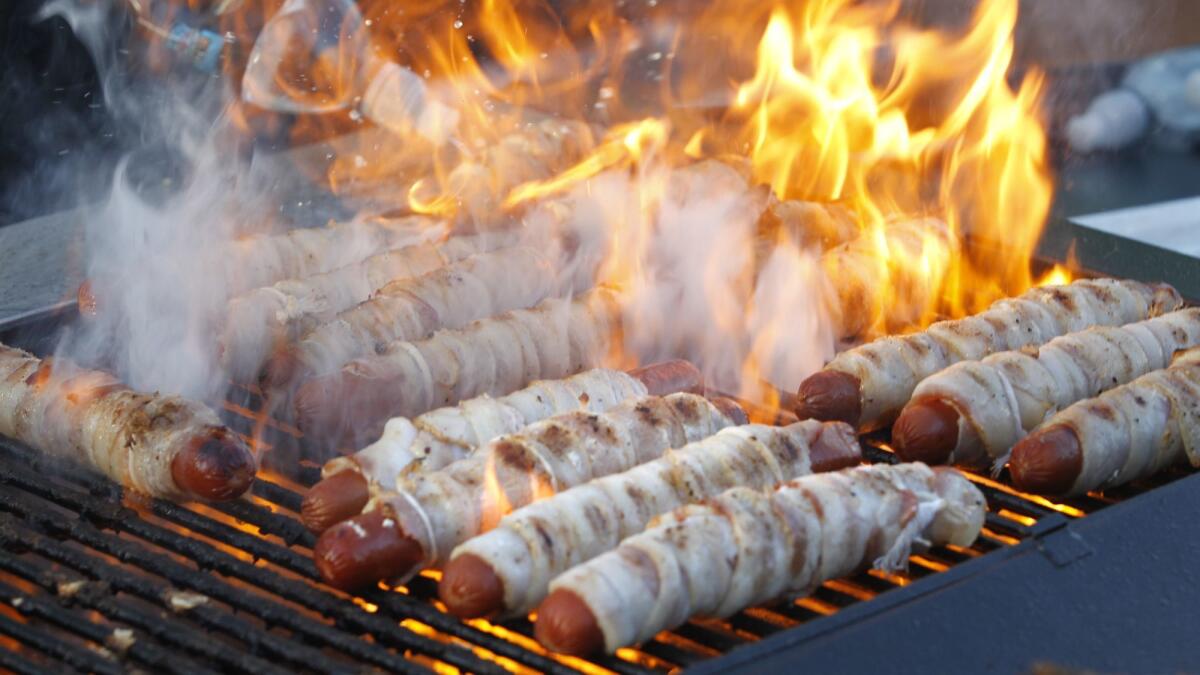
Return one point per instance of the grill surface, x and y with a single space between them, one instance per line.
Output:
95 579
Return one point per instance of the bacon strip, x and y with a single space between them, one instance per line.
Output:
492 356
885 372
1005 395
260 261
746 547
143 441
534 544
446 435
477 287
1135 430
267 317
437 511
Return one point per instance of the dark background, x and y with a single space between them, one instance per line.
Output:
52 115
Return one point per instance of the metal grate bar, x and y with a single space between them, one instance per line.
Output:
208 557
11 662
98 595
76 657
13 535
142 648
345 613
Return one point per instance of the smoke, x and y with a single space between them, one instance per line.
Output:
151 244
686 256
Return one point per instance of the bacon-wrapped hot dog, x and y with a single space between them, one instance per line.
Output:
868 385
477 287
254 262
747 546
439 437
973 412
509 568
421 523
268 317
164 446
491 356
1126 433
873 294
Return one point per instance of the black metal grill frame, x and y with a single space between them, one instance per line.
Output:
84 561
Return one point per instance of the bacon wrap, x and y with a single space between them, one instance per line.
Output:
260 261
533 545
1005 395
890 368
869 294
747 546
440 437
451 297
492 356
1138 429
266 317
443 509
88 416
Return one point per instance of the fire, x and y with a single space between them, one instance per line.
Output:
715 144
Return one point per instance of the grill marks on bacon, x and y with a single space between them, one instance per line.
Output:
437 438
438 511
492 356
885 372
1005 395
446 435
1127 433
477 287
273 316
164 446
534 544
746 547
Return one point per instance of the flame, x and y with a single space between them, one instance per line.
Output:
774 176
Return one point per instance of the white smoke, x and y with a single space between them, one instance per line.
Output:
685 250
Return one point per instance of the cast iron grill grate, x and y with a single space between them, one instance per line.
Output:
95 579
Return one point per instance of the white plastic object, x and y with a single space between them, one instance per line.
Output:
1114 120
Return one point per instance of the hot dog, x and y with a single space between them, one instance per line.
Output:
868 385
492 356
432 513
973 412
272 318
1127 433
747 546
435 439
164 446
453 296
507 570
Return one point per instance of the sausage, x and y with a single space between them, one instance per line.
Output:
428 516
830 396
360 551
566 624
472 587
345 490
747 546
347 408
215 465
163 446
926 431
334 499
1048 461
670 377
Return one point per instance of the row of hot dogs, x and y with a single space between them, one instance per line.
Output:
569 514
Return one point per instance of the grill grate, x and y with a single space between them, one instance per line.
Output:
231 588
97 580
